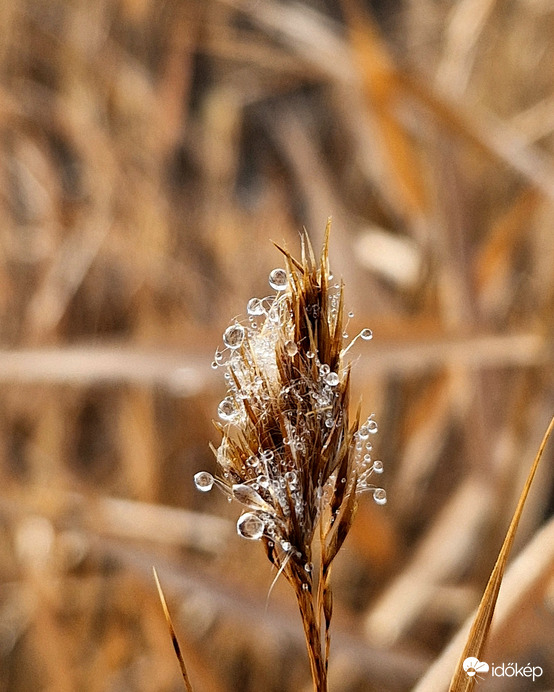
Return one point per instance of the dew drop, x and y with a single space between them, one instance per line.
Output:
203 481
366 334
233 336
332 379
291 349
345 335
251 526
214 365
378 466
363 432
351 314
324 370
310 354
291 479
305 586
286 546
380 496
308 567
263 481
255 307
278 279
226 409
372 426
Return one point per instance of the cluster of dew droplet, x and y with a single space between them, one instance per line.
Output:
269 493
364 465
272 488
249 351
363 462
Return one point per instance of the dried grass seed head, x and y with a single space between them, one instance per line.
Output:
289 453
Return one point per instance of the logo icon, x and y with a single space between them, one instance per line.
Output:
474 667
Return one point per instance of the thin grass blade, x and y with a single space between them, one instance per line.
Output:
174 639
461 681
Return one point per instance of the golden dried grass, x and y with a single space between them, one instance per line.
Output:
148 153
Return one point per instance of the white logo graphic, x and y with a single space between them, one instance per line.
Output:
473 666
477 669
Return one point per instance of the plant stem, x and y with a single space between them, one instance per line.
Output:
312 633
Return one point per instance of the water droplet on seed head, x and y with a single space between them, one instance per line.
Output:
251 526
363 432
332 379
291 349
380 496
255 307
372 426
233 336
278 279
203 481
226 409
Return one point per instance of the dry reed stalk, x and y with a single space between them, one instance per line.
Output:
290 454
172 634
534 562
462 680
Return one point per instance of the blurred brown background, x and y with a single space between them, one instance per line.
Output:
149 152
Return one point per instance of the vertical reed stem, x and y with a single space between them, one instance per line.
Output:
313 640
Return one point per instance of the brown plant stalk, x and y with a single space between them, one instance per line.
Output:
290 455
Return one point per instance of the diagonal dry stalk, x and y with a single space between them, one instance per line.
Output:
478 635
290 453
174 640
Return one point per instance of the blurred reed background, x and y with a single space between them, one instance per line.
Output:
149 151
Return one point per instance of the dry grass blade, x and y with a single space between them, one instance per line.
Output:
384 82
174 639
382 90
461 681
150 151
